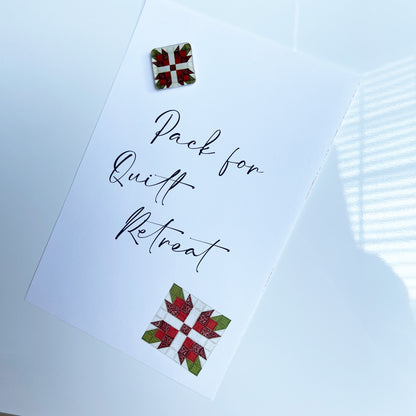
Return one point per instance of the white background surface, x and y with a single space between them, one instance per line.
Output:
334 333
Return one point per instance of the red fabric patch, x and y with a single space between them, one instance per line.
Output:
183 351
159 334
172 332
199 350
196 348
164 326
185 329
191 356
212 324
198 326
165 78
179 302
208 333
172 309
183 75
162 59
188 305
188 343
182 316
204 317
181 56
166 341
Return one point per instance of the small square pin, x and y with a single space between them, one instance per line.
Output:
173 66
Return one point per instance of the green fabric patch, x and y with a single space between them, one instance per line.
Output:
186 47
149 336
194 367
159 86
155 53
222 321
176 292
191 80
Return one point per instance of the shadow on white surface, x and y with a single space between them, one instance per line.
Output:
334 334
376 148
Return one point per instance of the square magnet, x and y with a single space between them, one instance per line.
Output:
173 66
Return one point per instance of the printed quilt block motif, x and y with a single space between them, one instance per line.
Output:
173 66
185 329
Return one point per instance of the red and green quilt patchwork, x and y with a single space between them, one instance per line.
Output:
186 329
173 66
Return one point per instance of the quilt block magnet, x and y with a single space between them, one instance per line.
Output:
173 66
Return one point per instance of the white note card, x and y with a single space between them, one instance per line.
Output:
188 191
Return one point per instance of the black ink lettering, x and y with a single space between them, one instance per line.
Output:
205 252
172 114
125 162
173 118
121 160
240 164
138 224
214 136
132 221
